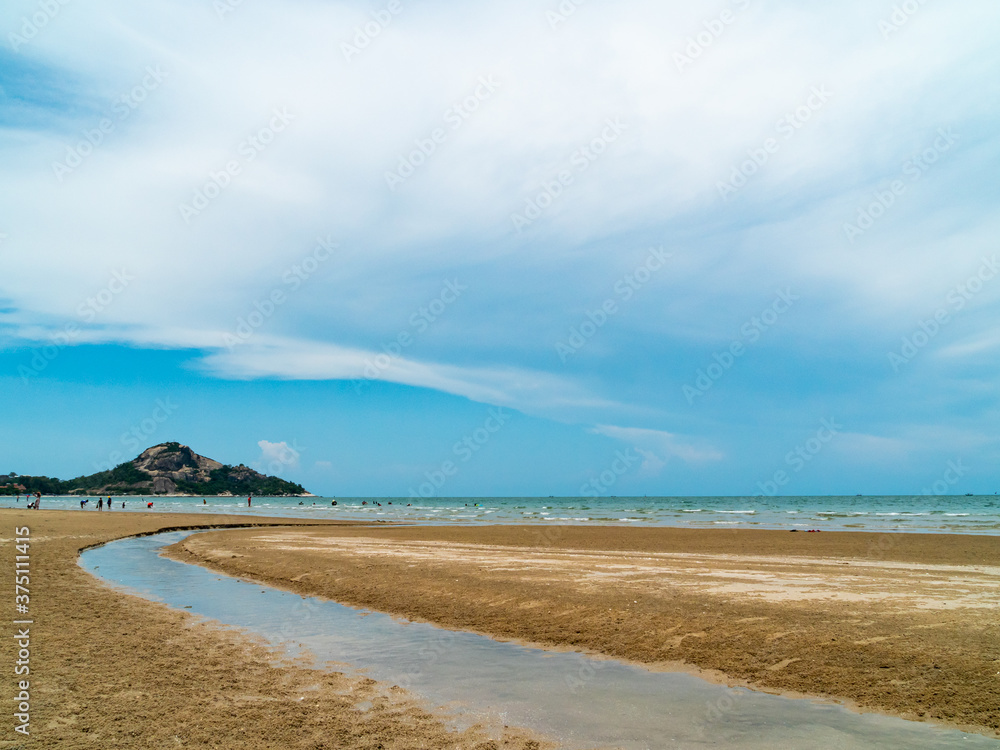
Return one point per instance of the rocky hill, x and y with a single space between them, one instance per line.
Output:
165 469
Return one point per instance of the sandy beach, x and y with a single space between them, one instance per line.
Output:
110 670
904 624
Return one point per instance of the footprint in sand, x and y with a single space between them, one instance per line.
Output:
781 665
676 640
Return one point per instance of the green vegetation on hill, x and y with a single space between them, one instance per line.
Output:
119 480
226 479
129 479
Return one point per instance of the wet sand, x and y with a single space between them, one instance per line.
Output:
110 670
905 624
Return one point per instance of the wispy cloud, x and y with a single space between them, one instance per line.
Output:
519 388
658 448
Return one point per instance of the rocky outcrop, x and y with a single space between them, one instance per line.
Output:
163 486
176 462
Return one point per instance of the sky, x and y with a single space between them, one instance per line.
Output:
533 248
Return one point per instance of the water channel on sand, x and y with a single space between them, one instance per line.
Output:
580 701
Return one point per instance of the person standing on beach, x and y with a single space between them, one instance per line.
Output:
248 500
100 504
109 503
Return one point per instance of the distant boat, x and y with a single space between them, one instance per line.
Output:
968 494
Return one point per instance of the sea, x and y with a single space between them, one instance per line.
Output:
966 514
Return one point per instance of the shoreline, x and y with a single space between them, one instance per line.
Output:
977 516
865 620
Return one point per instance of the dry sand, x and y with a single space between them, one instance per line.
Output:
110 670
900 623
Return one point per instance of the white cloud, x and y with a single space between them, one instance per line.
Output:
658 447
325 174
862 448
980 343
277 457
518 388
122 203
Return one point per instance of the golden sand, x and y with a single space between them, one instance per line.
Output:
907 624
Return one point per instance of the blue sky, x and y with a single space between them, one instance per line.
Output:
391 248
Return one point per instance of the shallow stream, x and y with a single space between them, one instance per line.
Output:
580 701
